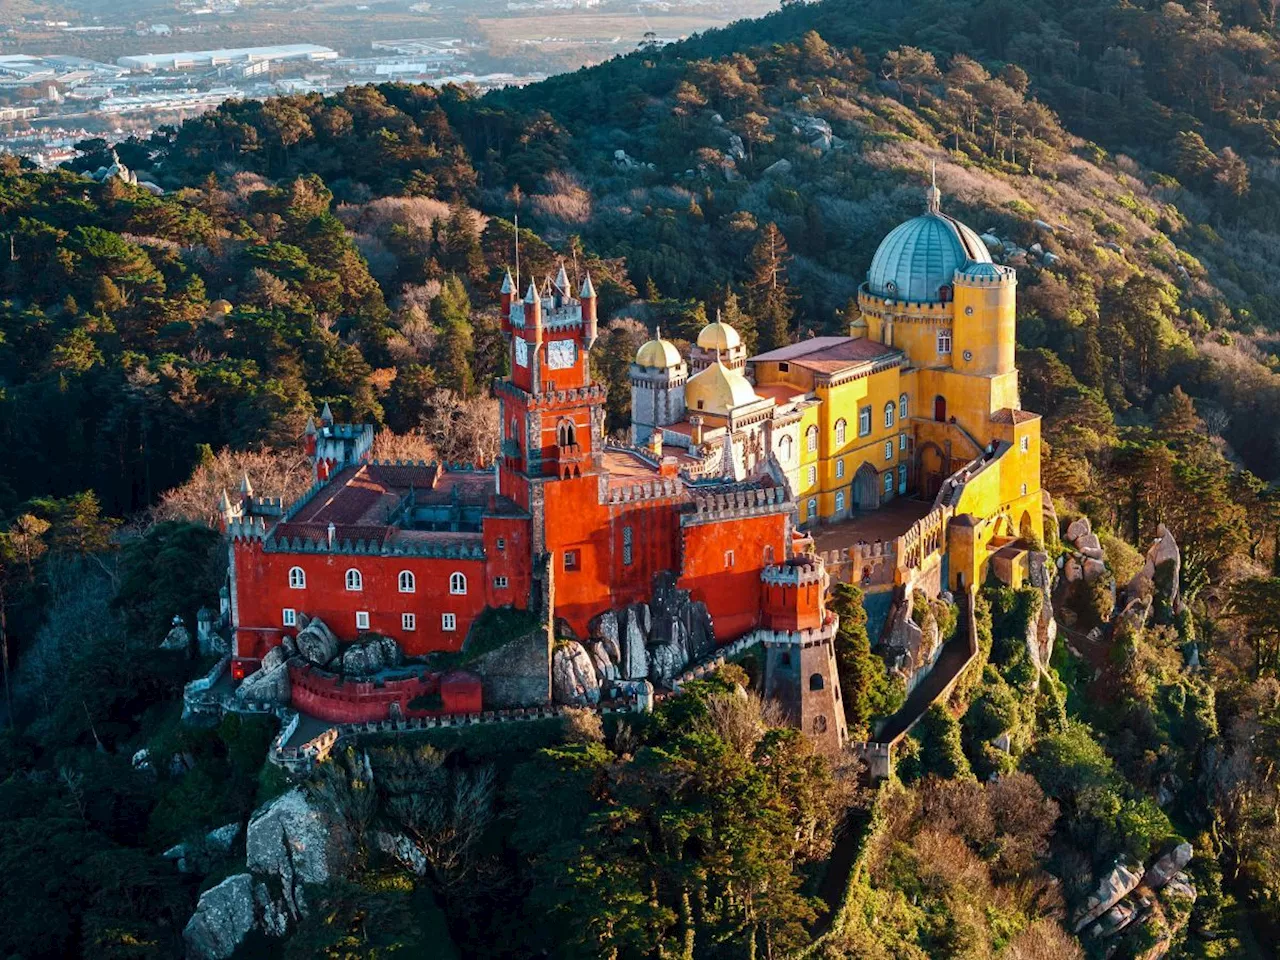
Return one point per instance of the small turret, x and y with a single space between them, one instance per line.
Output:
562 281
590 328
508 292
326 415
246 488
533 316
309 437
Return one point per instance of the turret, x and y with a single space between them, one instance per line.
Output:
588 298
246 489
561 283
533 316
309 437
508 296
326 415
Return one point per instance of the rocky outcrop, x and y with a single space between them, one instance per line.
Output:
1113 888
316 643
403 850
1043 631
224 916
573 675
269 684
518 673
1162 571
1168 866
297 842
177 639
371 655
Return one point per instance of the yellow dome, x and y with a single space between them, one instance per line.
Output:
719 336
659 354
717 390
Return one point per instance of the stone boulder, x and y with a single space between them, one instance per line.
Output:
266 685
606 666
1094 569
668 662
1162 570
221 839
179 639
634 664
298 842
403 850
1113 888
1078 528
573 676
1168 866
392 655
1071 570
316 642
1090 546
778 169
273 914
224 916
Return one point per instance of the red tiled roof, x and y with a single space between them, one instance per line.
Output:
1008 415
829 354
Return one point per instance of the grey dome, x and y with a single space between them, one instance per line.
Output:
920 256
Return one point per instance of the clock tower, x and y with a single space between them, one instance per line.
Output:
552 412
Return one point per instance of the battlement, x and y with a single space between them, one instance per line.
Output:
456 549
247 528
812 637
794 574
735 503
874 304
1001 277
563 317
660 489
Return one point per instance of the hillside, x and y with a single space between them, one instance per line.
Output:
157 344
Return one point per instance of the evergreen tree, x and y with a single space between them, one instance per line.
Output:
769 299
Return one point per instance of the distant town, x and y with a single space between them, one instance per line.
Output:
66 77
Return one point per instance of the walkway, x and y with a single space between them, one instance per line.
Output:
886 524
951 661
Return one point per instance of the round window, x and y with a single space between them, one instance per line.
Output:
968 355
968 311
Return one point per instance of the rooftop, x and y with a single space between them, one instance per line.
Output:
1008 415
829 355
888 523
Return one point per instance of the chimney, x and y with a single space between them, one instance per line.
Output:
695 435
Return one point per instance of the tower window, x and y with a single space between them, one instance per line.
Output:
408 584
902 441
813 475
810 437
784 367
1025 444
362 620
500 583
840 469
457 584
448 622
888 482
864 421
813 507
785 449
839 501
902 407
408 622
841 430
944 341
889 410
354 580
571 559
888 449
289 617
728 559
816 682
297 578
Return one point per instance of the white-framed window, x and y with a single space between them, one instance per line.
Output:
902 441
839 501
354 580
842 429
500 583
297 578
408 583
1024 489
627 554
811 439
408 621
813 475
944 341
889 414
448 622
840 469
864 421
888 481
902 407
571 559
289 617
786 449
1025 444
728 559
888 449
362 619
813 507
502 543
902 478
457 584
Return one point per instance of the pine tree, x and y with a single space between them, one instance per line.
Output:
731 313
769 299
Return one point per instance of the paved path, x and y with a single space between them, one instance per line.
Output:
953 659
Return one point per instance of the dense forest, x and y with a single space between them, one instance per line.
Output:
348 249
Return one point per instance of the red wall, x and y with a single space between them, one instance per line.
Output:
263 591
793 607
323 695
733 595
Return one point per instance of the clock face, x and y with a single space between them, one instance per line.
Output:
522 352
561 354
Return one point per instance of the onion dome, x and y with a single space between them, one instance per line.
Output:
717 390
658 354
719 336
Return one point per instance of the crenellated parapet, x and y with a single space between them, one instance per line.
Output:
735 503
664 488
247 529
471 549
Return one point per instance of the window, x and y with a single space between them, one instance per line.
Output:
362 619
1025 444
813 508
785 659
813 475
500 583
889 411
785 449
448 622
839 469
626 547
888 482
502 543
457 584
1024 489
841 430
408 621
888 449
839 501
864 421
289 617
902 407
407 582
297 578
811 439
902 478
784 367
728 559
902 441
816 682
819 724
354 580
571 559
944 341
565 434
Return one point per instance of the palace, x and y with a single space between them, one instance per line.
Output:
896 456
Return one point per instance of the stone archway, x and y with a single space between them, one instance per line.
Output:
931 469
1025 530
865 489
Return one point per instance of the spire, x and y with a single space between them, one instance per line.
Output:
246 488
532 295
562 280
310 429
657 332
588 291
508 285
933 196
224 505
326 415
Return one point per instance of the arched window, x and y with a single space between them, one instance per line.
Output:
839 501
408 584
297 578
354 580
813 508
888 481
944 341
515 430
785 449
816 682
565 433
457 583
902 478
888 449
840 469
841 431
940 408
888 414
902 407
811 439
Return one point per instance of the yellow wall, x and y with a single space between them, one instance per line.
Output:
984 327
805 489
845 402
